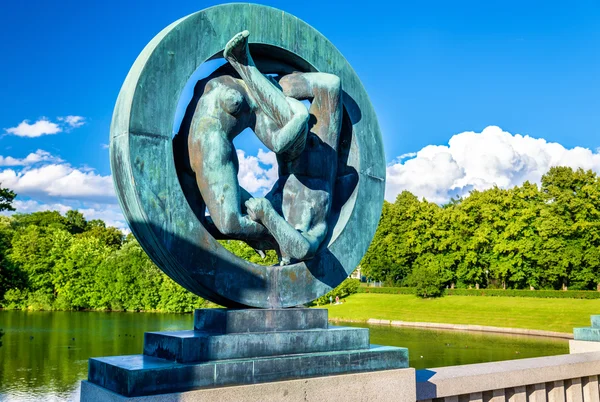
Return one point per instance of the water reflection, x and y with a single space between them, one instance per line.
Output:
436 348
44 354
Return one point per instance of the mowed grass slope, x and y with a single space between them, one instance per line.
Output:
560 315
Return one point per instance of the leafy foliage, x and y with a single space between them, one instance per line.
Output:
540 294
6 198
527 237
543 237
49 261
346 288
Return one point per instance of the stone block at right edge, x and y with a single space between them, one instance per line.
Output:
587 334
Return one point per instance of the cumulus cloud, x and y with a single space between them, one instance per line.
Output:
58 180
31 159
480 161
72 121
257 174
41 127
44 126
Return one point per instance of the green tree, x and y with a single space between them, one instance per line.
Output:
518 243
74 273
6 199
246 252
426 277
110 236
76 222
32 253
10 274
43 219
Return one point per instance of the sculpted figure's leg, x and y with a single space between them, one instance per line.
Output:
281 121
293 243
325 92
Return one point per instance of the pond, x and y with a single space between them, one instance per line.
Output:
44 354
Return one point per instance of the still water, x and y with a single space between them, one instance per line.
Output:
44 354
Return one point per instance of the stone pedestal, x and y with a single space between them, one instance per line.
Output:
383 386
586 339
588 333
238 347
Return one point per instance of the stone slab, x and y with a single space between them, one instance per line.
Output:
586 334
196 346
583 346
595 321
378 386
228 321
473 378
140 375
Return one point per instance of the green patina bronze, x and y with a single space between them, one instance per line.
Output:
334 162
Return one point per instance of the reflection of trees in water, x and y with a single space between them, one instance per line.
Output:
1 335
46 353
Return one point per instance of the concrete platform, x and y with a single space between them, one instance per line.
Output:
379 386
576 346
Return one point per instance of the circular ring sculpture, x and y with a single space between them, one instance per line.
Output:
146 178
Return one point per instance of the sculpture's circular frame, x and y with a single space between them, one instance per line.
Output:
146 180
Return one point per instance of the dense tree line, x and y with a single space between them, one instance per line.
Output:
49 261
527 237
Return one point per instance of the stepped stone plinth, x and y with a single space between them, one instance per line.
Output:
236 347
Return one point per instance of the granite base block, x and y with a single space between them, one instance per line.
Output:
576 346
382 386
144 375
229 321
196 346
595 321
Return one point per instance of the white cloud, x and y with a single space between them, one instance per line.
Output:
72 121
59 180
41 127
31 159
46 127
480 161
257 174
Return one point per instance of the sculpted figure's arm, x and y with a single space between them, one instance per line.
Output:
281 121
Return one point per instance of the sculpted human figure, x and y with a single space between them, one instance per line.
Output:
296 210
228 106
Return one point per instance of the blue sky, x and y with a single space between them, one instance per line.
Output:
435 71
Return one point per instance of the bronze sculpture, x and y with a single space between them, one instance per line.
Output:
322 212
295 212
320 215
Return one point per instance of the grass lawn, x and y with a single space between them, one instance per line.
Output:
560 315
